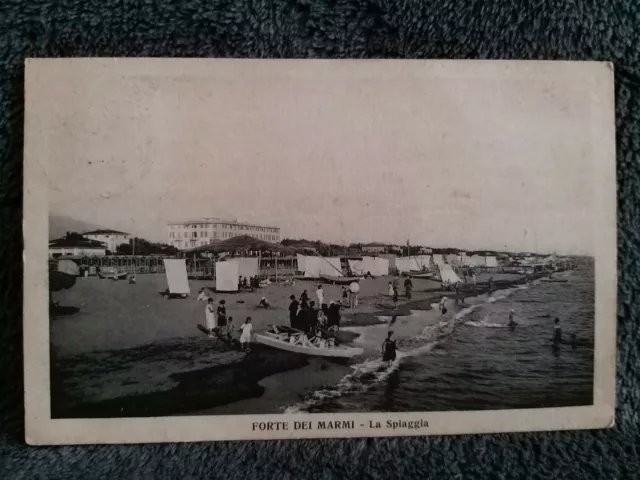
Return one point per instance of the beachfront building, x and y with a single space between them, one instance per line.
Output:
111 238
374 248
195 233
77 246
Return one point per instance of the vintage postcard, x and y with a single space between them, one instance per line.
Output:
272 249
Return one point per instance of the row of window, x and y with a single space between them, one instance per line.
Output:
228 226
193 235
191 242
268 238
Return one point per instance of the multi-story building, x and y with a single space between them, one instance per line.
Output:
76 246
194 233
111 238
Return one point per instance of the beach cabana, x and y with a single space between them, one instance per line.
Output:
314 267
448 276
176 273
438 260
491 262
375 265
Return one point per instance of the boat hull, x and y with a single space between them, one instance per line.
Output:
339 280
336 352
422 275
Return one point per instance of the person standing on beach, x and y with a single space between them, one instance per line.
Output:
304 297
490 286
473 276
229 329
345 294
312 318
222 314
512 322
353 299
441 306
408 286
395 297
293 311
333 315
210 316
389 348
390 289
246 333
320 295
459 299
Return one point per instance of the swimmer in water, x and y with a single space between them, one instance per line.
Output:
557 332
512 322
389 348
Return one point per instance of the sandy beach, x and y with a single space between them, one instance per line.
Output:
129 351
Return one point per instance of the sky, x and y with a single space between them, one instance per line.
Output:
477 157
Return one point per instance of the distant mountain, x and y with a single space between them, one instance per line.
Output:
59 225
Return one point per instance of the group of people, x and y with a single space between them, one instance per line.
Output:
251 283
306 315
220 325
394 289
469 274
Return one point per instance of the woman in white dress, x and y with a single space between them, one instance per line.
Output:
246 333
210 316
390 289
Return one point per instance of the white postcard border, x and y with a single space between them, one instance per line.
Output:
42 430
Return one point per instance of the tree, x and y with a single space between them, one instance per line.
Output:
144 247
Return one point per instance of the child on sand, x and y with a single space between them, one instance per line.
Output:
229 329
395 297
222 314
202 296
246 333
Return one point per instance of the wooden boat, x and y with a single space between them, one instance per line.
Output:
335 280
291 340
422 274
113 275
553 280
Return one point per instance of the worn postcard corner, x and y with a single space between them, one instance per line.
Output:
276 249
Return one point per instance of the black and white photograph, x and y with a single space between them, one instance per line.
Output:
301 243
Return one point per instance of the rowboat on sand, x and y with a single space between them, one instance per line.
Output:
292 340
335 280
422 274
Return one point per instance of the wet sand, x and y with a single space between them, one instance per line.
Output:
128 351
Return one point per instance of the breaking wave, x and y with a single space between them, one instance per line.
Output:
374 371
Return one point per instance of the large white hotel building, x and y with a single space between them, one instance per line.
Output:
194 233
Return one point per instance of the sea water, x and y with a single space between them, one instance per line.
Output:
470 360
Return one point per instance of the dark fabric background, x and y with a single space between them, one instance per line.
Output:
545 29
